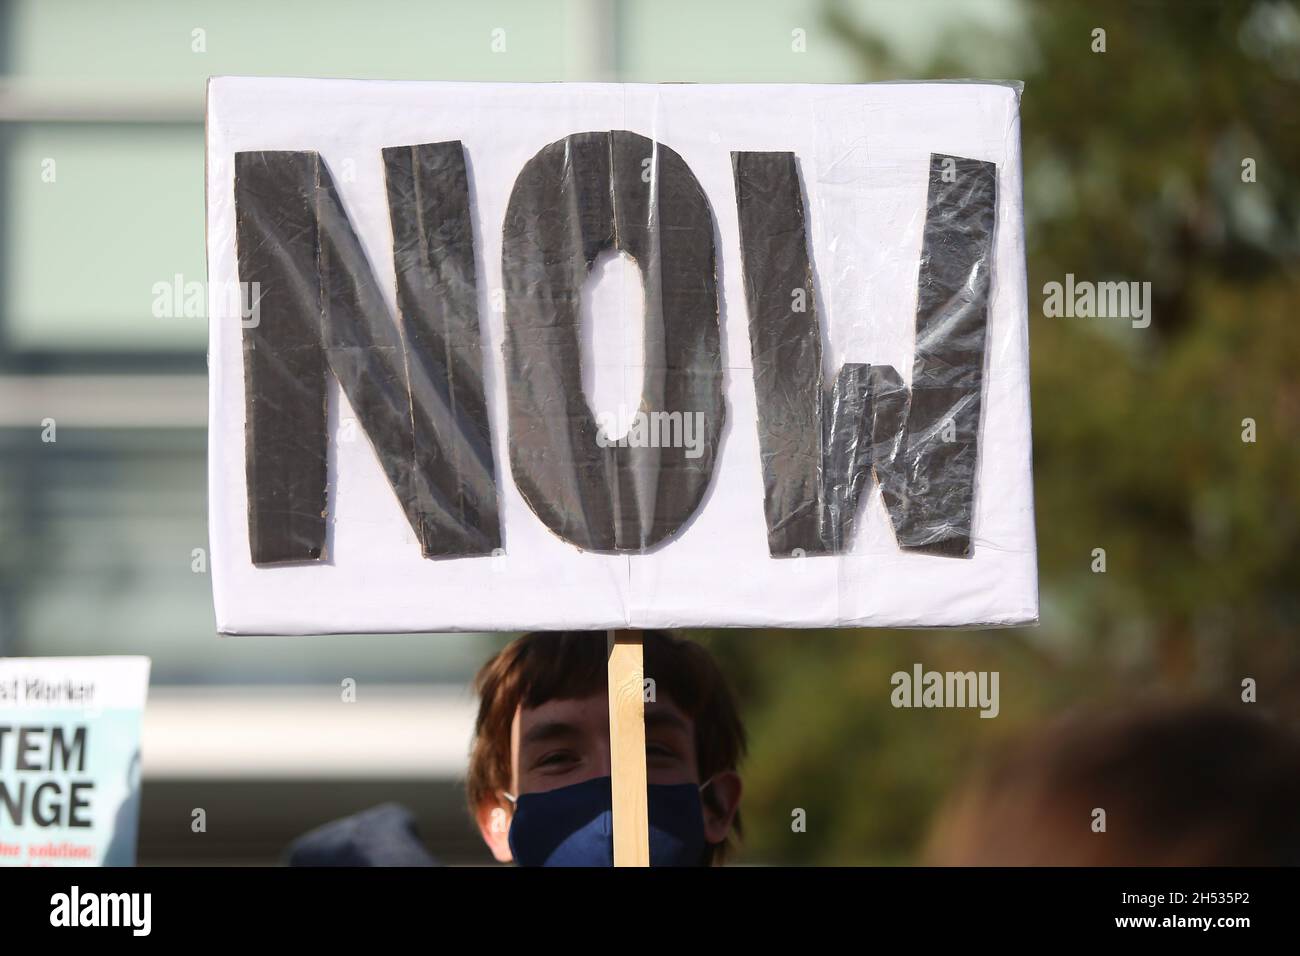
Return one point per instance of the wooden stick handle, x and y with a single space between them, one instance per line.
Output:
627 748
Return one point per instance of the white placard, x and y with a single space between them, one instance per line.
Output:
864 153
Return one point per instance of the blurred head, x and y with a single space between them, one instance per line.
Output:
543 724
1180 785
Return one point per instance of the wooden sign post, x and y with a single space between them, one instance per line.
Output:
627 748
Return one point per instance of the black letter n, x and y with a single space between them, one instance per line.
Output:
416 384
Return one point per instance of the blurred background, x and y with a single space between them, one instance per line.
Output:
1133 171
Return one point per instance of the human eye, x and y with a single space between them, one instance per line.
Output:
556 760
660 751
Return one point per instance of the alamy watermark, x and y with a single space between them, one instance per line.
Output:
177 299
642 429
922 688
1100 300
126 910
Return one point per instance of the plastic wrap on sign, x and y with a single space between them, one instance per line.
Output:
922 442
417 386
807 406
577 197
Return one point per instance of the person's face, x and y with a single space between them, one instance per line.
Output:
563 742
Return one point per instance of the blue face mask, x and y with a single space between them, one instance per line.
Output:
573 826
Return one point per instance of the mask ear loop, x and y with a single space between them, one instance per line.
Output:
705 785
514 801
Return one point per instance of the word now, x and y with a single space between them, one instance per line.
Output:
416 380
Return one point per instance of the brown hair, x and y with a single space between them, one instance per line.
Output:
1181 785
561 665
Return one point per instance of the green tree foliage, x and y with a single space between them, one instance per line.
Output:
1133 162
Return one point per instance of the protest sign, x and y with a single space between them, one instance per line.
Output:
809 406
70 759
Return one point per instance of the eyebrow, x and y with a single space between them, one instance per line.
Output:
667 720
550 730
558 729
